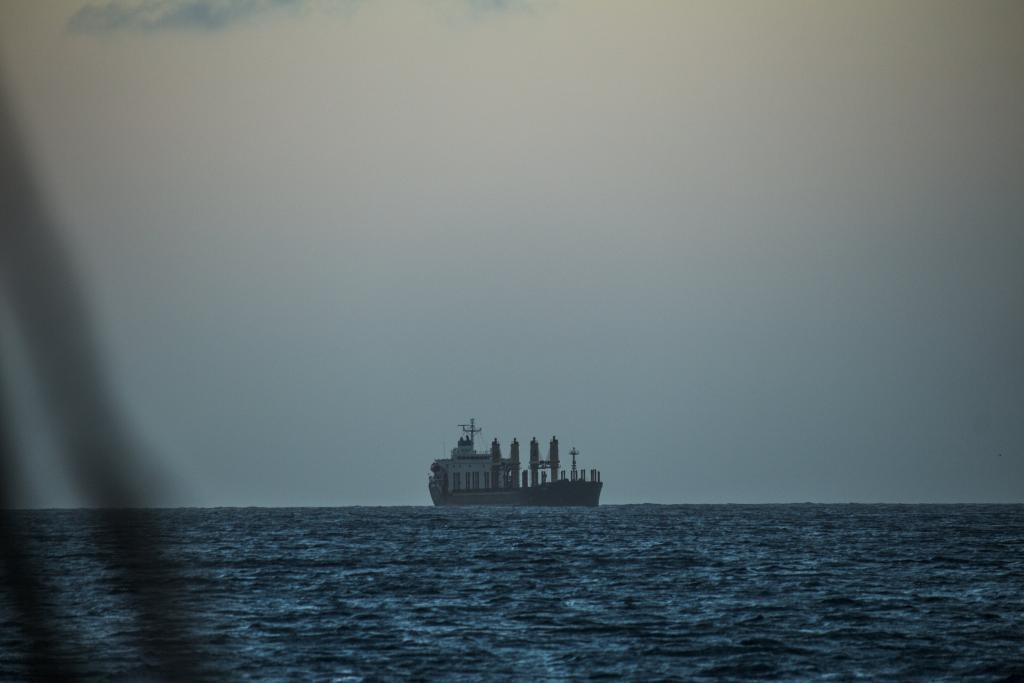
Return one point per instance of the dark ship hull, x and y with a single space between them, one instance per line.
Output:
553 494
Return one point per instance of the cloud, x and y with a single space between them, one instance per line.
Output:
483 9
498 5
156 15
103 16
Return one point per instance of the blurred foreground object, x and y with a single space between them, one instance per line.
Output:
40 290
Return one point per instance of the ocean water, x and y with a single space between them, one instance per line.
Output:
641 592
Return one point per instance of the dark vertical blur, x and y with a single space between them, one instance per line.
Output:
38 284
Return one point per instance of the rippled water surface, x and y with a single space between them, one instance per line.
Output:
635 592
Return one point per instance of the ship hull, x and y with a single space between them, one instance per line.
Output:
559 493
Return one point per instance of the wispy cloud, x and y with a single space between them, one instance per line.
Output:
156 15
499 5
101 16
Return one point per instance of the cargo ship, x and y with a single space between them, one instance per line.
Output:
488 478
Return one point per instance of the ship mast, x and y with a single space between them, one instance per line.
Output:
471 429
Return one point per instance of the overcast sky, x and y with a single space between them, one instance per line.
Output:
733 252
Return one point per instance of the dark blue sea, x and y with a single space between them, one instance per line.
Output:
646 593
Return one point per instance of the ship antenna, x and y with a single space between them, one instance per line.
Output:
471 429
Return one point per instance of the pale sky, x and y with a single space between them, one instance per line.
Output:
732 251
